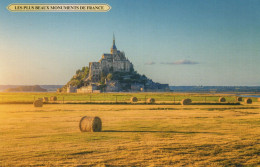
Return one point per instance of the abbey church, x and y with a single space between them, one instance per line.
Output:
115 61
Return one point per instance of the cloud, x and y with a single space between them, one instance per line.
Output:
188 62
150 63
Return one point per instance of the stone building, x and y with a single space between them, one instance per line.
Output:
112 86
110 62
137 87
91 88
71 89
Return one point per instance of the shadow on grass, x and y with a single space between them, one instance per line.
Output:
229 108
82 152
150 131
215 103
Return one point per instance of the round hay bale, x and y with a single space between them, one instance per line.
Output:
90 124
38 103
186 102
53 98
150 100
134 99
45 99
248 101
239 98
258 99
222 99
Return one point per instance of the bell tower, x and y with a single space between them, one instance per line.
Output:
113 48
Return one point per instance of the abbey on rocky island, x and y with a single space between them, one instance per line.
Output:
112 73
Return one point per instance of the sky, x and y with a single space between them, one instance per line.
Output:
178 42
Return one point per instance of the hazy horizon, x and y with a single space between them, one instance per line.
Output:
181 43
169 85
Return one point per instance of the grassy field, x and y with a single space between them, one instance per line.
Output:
133 135
115 97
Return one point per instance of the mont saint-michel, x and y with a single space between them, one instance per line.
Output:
112 73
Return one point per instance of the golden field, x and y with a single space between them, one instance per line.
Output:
132 135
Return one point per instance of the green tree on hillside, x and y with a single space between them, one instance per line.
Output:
109 76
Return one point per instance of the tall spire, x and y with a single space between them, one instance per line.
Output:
114 39
114 42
